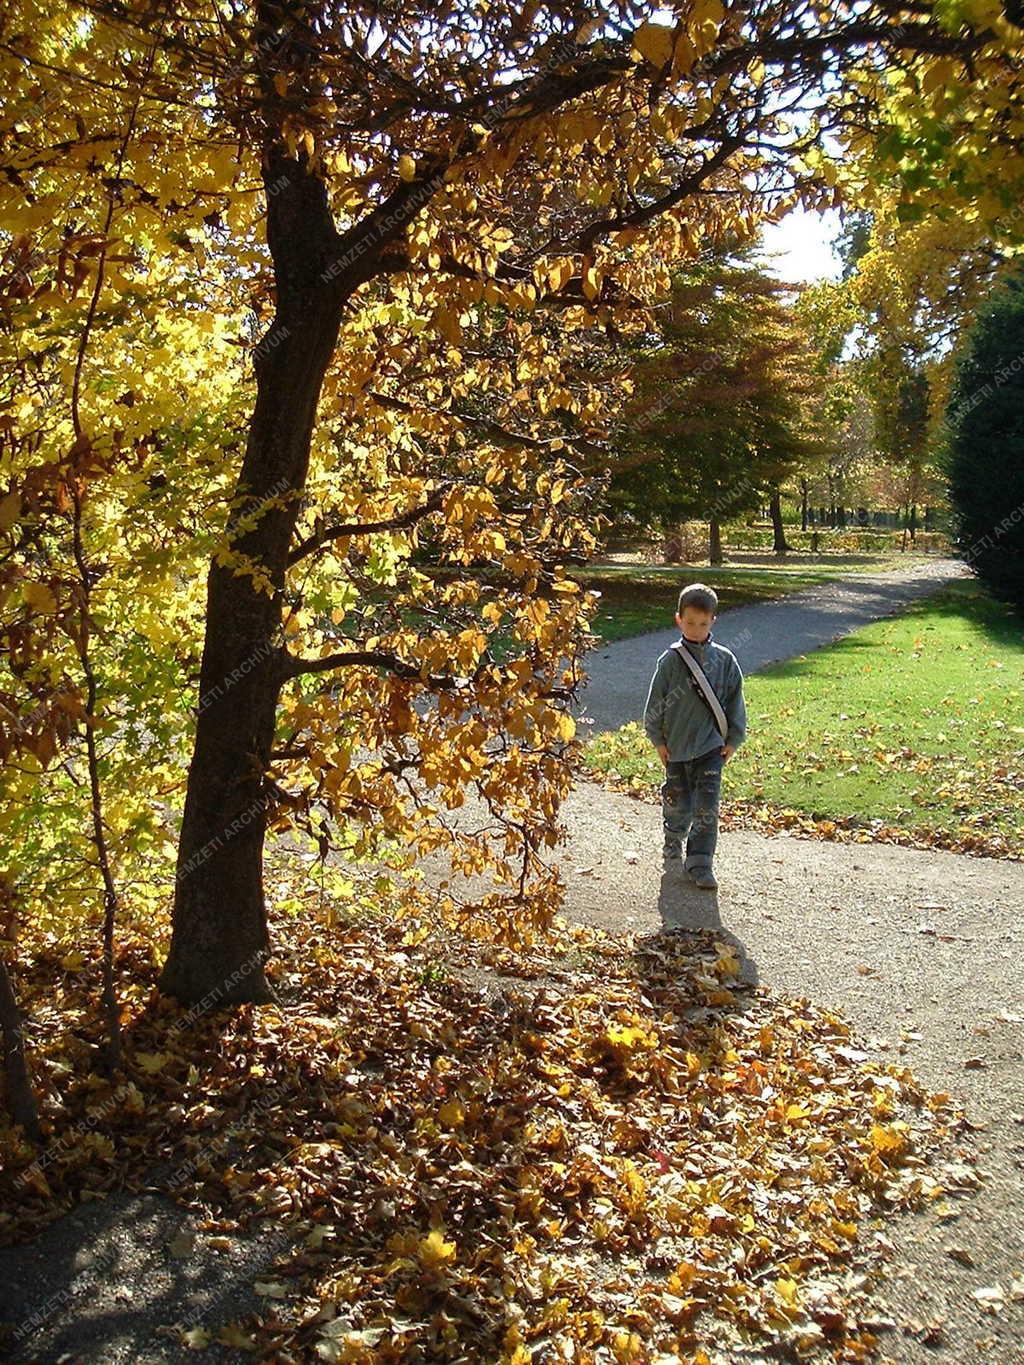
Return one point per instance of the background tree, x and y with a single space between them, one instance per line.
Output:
901 430
721 411
984 458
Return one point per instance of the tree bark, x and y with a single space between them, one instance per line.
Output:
780 545
715 542
220 941
20 1100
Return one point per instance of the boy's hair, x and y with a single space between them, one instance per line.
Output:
698 595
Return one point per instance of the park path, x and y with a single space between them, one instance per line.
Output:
759 634
920 951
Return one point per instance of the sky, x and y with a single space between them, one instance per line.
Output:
804 242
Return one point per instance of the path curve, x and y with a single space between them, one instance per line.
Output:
759 634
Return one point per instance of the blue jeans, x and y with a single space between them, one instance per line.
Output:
689 804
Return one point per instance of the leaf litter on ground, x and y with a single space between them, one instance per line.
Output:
598 1149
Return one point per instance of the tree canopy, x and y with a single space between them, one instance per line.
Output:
287 286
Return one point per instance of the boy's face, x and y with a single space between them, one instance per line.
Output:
695 622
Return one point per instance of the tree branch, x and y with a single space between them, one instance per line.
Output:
494 431
293 666
362 528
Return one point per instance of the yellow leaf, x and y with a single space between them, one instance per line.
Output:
559 274
10 510
888 1139
787 1290
281 83
446 320
940 73
233 1335
406 167
654 41
434 1251
33 1175
707 12
451 1113
270 1289
152 1062
39 598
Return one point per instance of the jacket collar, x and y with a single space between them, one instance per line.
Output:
695 644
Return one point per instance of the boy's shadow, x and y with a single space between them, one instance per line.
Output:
686 908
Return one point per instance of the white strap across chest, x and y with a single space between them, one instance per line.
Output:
705 686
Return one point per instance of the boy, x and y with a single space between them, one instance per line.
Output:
681 726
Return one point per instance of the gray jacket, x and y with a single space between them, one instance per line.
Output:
676 714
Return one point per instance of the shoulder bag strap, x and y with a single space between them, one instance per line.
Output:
707 691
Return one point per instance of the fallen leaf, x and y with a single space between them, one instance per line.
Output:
434 1251
270 1289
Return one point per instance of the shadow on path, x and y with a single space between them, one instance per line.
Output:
686 908
105 1284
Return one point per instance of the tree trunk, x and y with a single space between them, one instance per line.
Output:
220 940
778 530
715 542
803 504
20 1100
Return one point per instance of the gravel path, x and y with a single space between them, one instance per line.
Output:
106 1284
920 950
759 634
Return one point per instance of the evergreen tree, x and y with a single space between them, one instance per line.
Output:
985 453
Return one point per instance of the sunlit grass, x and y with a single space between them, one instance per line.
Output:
916 720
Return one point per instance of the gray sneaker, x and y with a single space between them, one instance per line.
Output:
703 876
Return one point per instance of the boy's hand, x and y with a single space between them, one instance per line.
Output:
727 751
663 753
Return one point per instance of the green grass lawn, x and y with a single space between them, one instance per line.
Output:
638 598
916 721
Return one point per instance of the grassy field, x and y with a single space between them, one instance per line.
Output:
638 598
916 721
